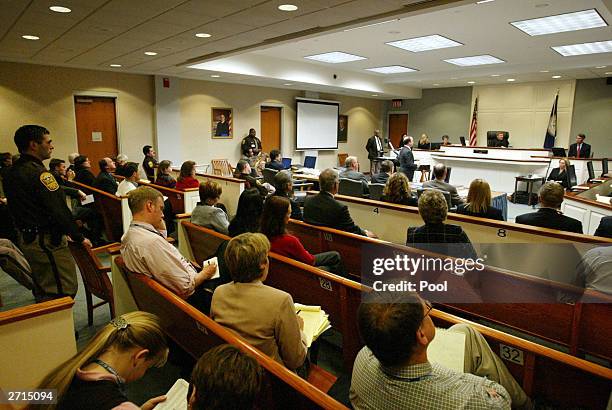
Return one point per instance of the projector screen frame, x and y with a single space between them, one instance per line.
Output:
321 102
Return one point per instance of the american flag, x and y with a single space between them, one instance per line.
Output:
474 125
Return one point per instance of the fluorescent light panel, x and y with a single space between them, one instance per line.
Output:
579 20
426 43
335 57
391 69
474 60
584 48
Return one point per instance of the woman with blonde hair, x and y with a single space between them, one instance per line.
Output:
397 191
479 202
424 142
560 174
119 353
187 177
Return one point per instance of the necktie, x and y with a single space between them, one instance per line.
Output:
578 151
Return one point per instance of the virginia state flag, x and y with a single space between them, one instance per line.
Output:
551 131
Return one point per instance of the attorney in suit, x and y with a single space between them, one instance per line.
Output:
438 183
406 158
322 209
549 214
386 170
275 160
560 174
605 227
105 181
580 149
479 202
374 146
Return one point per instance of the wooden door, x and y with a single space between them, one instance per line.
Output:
398 126
270 128
96 128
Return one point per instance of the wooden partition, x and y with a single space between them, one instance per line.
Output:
35 339
181 201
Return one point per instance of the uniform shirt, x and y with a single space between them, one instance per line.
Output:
36 200
145 250
250 142
421 386
149 164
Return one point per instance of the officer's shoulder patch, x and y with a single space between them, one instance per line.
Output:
150 164
49 181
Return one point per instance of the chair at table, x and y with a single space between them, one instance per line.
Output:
376 191
572 180
604 167
591 171
221 167
351 187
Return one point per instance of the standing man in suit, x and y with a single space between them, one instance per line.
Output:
549 214
323 209
406 158
375 150
105 181
580 149
149 162
438 183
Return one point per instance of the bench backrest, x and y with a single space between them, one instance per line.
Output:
181 201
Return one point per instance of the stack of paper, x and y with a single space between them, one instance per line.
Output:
448 349
176 398
316 321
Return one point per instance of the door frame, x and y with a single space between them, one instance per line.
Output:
84 93
389 113
282 119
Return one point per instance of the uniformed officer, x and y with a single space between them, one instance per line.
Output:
43 219
250 142
149 163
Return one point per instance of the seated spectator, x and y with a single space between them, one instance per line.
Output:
71 158
549 215
57 168
164 178
121 352
248 213
276 161
393 370
351 171
187 177
560 174
386 170
424 142
145 250
243 171
284 188
605 227
121 161
479 202
274 219
397 191
225 378
82 169
595 269
435 235
105 181
264 316
130 182
439 172
323 209
445 141
206 213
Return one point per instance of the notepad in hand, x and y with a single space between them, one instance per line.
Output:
209 262
448 349
176 398
316 321
88 199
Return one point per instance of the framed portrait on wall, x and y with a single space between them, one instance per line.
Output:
342 128
221 120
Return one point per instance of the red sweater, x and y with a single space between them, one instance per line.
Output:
291 247
187 182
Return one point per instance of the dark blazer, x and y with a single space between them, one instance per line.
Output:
605 227
106 182
407 165
491 212
372 149
560 177
275 165
252 183
498 143
445 239
427 145
444 186
380 178
84 176
550 218
412 201
585 150
322 209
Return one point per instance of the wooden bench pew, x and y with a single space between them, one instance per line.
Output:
181 201
196 333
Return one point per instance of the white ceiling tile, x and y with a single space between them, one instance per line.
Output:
184 18
212 8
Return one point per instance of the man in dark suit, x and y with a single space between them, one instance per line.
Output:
275 160
375 149
580 149
322 209
105 181
605 227
284 187
386 169
438 183
549 215
406 158
499 141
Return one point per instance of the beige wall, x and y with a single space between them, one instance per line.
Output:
36 94
592 115
524 111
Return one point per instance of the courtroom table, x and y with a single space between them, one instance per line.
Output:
584 206
580 165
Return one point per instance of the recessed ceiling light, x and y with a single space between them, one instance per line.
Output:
60 9
494 75
556 76
579 20
418 44
510 80
150 53
391 69
215 76
335 57
374 95
288 84
287 7
601 66
30 37
608 73
436 84
474 60
203 35
115 65
584 48
484 1
543 71
471 82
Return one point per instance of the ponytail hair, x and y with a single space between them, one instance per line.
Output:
134 329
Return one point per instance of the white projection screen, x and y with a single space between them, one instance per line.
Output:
317 125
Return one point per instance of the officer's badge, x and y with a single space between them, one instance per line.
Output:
150 164
49 181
